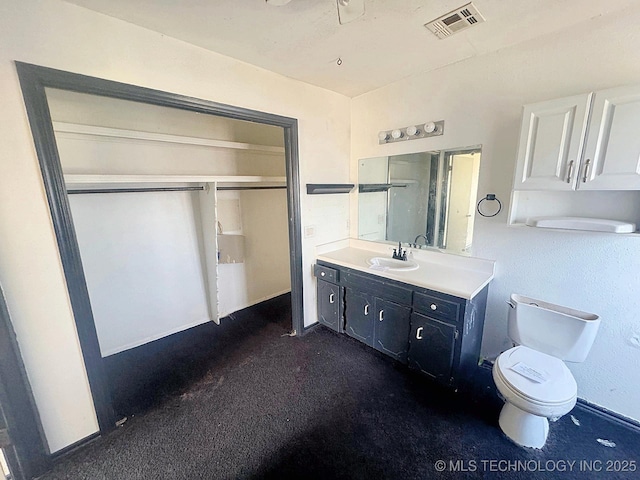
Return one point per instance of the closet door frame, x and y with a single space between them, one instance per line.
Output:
34 80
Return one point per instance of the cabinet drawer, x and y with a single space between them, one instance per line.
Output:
436 307
326 273
387 289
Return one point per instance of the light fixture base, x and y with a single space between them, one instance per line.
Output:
423 130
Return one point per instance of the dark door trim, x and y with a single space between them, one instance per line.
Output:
33 81
27 454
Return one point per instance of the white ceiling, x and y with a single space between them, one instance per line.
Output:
303 39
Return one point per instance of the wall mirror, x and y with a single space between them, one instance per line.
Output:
425 198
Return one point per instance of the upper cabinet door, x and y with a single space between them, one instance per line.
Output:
551 143
612 153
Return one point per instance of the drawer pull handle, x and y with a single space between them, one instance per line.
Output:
434 306
331 298
322 274
419 333
366 309
381 315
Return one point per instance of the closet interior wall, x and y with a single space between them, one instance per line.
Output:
151 259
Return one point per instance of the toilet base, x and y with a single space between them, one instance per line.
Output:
523 428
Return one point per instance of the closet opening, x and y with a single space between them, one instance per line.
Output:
171 213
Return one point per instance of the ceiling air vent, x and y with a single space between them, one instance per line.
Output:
454 21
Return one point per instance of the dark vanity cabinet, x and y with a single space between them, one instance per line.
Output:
379 323
330 303
432 345
391 329
435 333
360 312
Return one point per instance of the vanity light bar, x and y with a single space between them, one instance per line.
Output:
429 129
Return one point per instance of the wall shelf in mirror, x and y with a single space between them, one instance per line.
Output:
380 187
328 188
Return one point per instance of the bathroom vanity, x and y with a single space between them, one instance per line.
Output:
430 317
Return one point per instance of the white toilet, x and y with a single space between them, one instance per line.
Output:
532 377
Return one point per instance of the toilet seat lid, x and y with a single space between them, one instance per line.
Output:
558 385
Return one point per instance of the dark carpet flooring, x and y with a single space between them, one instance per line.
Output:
260 404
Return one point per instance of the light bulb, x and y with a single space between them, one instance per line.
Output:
383 136
412 130
397 134
430 127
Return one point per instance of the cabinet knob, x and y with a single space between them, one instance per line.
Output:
434 306
322 274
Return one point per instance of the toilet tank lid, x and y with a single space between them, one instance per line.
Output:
521 299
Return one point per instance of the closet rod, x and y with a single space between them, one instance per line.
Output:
134 190
252 188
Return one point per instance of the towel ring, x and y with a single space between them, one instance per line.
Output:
490 197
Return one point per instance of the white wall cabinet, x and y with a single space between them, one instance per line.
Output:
584 142
612 147
551 143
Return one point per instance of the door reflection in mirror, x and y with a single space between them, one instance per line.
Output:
425 198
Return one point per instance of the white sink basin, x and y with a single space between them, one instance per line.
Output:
391 264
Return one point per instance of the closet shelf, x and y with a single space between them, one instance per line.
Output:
91 130
88 179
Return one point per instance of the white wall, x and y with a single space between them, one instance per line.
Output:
480 100
142 265
266 230
55 34
261 217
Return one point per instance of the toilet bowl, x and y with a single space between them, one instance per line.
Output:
528 403
532 377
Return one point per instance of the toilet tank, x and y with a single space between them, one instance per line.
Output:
562 332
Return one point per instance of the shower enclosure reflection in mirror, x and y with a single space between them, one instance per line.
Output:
424 198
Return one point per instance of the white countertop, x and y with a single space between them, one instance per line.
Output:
455 275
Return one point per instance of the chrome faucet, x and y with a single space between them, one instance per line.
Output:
426 242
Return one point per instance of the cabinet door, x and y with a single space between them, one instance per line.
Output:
329 304
359 314
551 143
612 154
432 346
391 330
